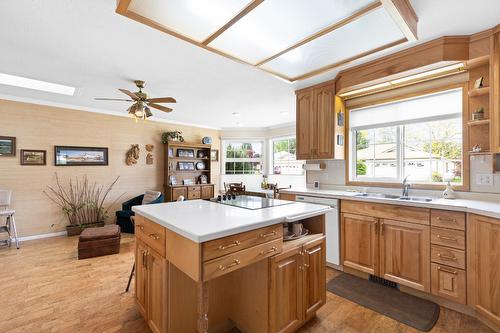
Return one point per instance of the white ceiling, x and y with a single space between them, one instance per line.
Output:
84 43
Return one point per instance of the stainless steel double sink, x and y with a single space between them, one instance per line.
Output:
393 197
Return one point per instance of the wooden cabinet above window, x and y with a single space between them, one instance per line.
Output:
320 128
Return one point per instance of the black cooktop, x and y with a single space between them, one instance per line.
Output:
250 202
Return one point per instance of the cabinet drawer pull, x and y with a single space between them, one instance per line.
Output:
140 226
236 262
273 249
306 265
447 270
447 238
445 257
446 219
272 233
228 246
154 236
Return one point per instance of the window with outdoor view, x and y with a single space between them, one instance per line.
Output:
420 138
243 157
284 158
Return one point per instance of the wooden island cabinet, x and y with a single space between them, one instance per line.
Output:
187 286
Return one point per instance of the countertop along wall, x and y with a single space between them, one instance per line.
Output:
43 127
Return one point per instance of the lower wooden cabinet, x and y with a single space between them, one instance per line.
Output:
405 254
360 242
483 259
151 286
449 282
189 192
297 286
395 250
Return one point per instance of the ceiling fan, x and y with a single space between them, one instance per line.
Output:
140 109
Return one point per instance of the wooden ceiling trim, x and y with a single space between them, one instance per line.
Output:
360 13
404 16
251 6
348 60
451 48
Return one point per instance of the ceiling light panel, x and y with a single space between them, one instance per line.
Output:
275 25
196 19
23 82
371 31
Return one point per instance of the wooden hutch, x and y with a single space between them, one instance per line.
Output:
186 164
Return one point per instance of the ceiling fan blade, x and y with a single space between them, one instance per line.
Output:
130 94
162 100
113 99
160 107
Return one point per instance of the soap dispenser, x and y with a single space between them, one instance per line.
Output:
449 193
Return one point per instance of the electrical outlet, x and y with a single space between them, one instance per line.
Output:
484 179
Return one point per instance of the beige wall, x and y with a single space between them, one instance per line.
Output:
43 127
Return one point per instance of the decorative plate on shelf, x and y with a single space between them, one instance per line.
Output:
206 140
200 166
201 154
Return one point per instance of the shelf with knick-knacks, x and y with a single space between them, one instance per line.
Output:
187 171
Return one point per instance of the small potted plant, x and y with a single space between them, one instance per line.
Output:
172 136
82 202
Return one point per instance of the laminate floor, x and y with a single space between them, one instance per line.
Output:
44 288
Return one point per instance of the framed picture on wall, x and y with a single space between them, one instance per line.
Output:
70 155
7 146
214 155
33 157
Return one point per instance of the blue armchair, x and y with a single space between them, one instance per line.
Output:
123 216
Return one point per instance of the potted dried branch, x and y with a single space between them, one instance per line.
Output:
82 202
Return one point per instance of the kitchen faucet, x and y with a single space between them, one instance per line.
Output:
406 186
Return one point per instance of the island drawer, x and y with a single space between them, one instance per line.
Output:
150 233
448 237
448 219
231 262
223 246
448 256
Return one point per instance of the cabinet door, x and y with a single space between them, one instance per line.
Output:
324 100
314 282
306 120
483 252
207 192
141 272
360 242
405 253
285 293
156 292
448 282
178 191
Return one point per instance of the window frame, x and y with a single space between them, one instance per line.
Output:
224 159
271 155
381 182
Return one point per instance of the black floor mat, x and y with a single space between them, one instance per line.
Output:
407 309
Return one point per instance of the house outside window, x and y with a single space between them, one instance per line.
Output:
284 161
243 157
420 138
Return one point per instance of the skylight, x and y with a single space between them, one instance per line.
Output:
22 82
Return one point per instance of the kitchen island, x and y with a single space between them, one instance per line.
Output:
203 266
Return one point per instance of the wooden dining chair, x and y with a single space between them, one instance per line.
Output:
235 188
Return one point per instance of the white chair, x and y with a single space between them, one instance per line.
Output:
5 211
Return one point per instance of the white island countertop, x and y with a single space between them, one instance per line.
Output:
202 220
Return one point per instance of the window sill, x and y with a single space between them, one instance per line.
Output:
435 187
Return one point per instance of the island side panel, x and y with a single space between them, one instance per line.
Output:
184 254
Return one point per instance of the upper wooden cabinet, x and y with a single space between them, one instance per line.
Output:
319 128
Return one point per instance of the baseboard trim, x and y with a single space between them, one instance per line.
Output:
40 236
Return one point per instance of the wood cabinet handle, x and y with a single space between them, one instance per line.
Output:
272 233
446 219
154 236
445 257
140 226
382 228
144 258
273 249
236 262
447 270
447 238
228 246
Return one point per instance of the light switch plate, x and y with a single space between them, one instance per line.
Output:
484 179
